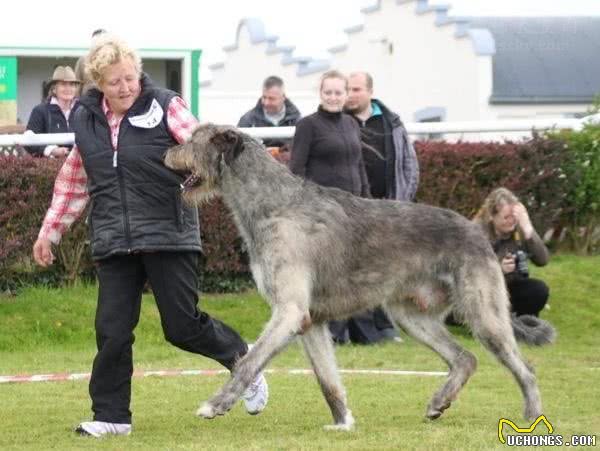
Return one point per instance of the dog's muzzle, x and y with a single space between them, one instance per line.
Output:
191 182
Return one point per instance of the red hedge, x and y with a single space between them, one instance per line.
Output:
460 175
456 176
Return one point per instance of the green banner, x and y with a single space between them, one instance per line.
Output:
8 78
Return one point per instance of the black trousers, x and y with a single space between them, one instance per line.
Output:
173 277
527 296
365 328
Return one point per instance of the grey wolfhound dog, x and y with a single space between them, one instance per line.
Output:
319 254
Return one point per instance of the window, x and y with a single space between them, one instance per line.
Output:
431 114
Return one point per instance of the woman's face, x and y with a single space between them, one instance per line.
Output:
120 84
333 94
504 221
65 91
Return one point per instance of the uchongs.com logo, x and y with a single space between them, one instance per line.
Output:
524 435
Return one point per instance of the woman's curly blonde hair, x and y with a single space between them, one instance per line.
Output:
108 50
492 205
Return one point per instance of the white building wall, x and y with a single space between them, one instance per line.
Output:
235 87
539 111
248 64
226 107
427 67
415 63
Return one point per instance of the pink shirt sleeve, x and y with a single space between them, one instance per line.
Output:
180 120
69 198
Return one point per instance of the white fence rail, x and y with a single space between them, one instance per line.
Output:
517 125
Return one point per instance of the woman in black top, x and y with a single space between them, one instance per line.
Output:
327 145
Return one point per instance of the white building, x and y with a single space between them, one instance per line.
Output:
426 64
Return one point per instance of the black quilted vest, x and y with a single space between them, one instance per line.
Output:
135 199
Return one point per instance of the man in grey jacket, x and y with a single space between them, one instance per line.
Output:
393 170
273 109
393 173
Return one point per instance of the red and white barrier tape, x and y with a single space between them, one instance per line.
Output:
84 376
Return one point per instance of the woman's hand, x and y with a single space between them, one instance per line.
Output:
59 152
522 217
42 252
508 263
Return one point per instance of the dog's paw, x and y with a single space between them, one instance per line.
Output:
207 411
433 413
347 425
339 427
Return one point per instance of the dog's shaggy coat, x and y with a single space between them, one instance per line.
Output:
319 254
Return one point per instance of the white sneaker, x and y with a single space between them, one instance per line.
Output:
256 395
100 428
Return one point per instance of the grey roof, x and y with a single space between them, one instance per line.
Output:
544 59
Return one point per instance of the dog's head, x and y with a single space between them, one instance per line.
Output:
203 158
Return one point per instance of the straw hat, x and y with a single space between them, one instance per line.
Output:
64 73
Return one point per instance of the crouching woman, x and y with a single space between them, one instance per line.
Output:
507 224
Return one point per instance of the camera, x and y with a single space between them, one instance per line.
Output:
521 265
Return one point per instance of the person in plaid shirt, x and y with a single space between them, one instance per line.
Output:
140 230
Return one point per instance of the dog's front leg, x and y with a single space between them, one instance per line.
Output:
319 349
283 326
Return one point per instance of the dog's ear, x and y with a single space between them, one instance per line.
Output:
230 143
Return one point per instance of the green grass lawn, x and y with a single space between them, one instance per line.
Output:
46 331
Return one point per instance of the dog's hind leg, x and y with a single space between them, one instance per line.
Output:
430 331
319 349
490 322
506 351
289 316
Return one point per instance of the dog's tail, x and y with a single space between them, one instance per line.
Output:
532 330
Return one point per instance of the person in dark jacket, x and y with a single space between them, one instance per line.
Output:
328 151
506 222
273 109
392 171
140 230
54 114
